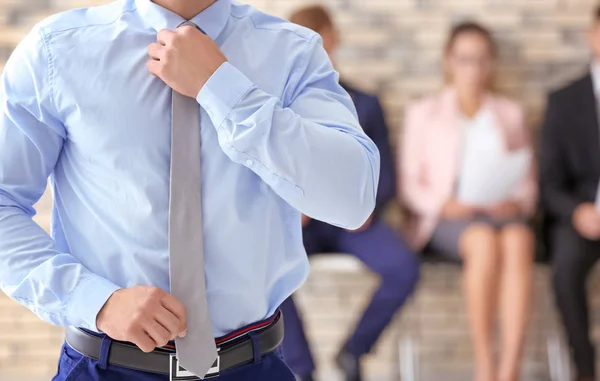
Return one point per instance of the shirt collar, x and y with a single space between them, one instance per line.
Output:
595 71
211 21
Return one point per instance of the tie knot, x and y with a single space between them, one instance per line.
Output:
188 23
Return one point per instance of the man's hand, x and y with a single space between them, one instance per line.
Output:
506 209
586 221
454 209
184 59
146 316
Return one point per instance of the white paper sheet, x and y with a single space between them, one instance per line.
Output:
487 178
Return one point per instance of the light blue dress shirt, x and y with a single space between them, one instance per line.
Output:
77 104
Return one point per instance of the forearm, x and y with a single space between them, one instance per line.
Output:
420 200
556 197
528 196
52 284
414 189
324 173
555 172
559 202
327 170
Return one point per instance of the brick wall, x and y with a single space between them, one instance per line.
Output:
392 47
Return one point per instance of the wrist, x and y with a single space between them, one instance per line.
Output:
578 212
223 91
102 317
206 76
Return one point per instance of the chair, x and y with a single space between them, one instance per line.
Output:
339 263
336 263
409 340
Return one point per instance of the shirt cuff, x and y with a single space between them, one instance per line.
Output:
223 90
87 300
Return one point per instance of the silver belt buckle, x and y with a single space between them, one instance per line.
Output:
178 373
216 368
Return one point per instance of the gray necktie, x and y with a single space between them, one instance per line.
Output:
197 351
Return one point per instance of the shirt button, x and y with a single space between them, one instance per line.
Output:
249 162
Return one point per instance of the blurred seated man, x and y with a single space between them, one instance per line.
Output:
570 172
375 244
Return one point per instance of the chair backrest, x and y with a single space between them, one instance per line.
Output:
336 263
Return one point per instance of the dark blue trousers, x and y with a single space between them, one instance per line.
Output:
75 367
382 251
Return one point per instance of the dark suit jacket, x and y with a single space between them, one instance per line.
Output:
570 150
372 120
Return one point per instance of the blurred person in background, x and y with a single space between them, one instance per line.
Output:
570 173
376 244
496 243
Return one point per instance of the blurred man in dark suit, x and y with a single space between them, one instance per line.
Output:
570 173
377 245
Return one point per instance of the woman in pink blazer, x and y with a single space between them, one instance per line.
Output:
494 241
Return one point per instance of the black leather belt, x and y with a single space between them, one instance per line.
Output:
237 352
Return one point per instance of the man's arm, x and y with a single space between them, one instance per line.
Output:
308 147
554 171
33 271
311 149
526 194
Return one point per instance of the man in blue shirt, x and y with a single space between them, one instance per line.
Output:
86 99
375 243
